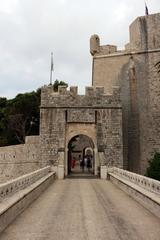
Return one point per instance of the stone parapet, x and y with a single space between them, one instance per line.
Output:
144 190
145 182
17 160
32 139
11 187
94 97
15 204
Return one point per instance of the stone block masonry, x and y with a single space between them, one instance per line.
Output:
95 109
19 159
136 70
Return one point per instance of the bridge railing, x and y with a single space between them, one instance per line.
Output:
145 182
9 188
17 194
143 189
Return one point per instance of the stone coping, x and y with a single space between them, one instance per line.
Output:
153 196
12 186
149 200
10 201
146 183
127 53
12 206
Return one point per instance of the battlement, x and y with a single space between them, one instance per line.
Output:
90 91
144 35
96 49
94 96
145 32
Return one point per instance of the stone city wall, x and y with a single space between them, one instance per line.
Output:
136 70
19 159
60 110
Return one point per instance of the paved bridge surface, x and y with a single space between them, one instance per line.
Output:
84 209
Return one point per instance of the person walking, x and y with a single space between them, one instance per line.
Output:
73 162
89 165
82 164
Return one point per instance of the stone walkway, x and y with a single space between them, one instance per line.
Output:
84 209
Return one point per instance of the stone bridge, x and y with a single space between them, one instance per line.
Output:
120 205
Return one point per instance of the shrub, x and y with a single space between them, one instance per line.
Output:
153 171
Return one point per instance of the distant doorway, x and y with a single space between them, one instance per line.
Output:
81 159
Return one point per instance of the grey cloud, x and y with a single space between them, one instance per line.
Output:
31 29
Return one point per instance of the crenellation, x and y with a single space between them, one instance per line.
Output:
74 90
107 49
99 90
62 89
89 91
94 97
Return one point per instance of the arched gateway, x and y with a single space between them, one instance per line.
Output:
92 121
81 157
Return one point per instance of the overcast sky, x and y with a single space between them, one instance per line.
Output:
32 29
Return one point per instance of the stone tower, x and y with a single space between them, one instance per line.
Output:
94 44
65 115
136 70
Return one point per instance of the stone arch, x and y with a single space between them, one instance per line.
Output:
88 130
77 150
88 149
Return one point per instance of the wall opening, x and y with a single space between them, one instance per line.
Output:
81 159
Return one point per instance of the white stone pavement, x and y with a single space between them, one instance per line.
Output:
88 209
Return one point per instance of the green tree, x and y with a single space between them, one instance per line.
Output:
153 171
58 83
3 139
23 115
19 117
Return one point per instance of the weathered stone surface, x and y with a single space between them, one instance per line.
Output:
136 70
93 112
20 159
83 115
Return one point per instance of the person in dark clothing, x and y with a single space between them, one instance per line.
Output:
89 164
82 164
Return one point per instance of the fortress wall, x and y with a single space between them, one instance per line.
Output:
66 108
140 103
137 72
112 70
111 125
107 69
52 135
145 32
149 108
20 159
145 36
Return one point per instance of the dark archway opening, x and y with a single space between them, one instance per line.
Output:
81 155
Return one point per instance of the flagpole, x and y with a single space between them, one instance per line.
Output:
146 9
51 68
